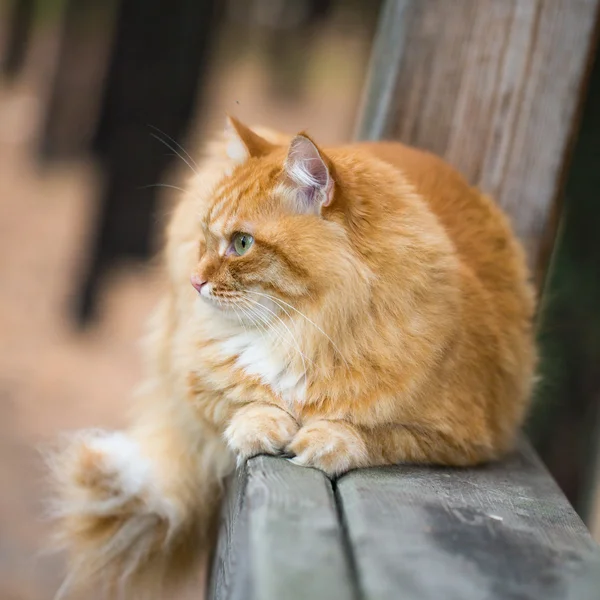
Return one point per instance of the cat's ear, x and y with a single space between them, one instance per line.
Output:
309 175
242 142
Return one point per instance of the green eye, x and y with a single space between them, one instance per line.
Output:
242 243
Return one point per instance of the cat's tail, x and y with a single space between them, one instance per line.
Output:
136 510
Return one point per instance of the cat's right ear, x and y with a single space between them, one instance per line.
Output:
243 143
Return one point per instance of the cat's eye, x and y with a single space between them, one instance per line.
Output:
242 242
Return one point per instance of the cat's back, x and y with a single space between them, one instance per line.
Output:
479 230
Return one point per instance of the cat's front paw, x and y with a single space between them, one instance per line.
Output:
331 446
260 429
110 515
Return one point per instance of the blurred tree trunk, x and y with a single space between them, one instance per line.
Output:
74 99
20 25
156 68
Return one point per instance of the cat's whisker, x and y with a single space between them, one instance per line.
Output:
252 320
220 302
289 346
266 328
239 317
163 185
282 302
264 324
262 306
297 345
174 141
187 162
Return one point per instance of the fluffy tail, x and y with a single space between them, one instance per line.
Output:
135 511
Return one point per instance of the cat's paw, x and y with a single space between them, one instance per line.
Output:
259 429
331 446
110 516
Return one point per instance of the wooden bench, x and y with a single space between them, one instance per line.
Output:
501 531
494 86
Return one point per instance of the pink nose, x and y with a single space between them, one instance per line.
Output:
197 282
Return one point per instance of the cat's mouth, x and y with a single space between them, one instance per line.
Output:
225 300
247 306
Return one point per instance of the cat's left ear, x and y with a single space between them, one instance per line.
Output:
308 173
243 143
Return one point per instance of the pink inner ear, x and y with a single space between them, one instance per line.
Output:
308 171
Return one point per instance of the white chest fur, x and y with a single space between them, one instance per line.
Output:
258 355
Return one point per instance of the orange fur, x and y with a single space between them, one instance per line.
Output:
382 315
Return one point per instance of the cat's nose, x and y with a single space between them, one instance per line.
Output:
198 282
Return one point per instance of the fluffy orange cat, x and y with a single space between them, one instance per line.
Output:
353 306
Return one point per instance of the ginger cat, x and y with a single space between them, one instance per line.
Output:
356 306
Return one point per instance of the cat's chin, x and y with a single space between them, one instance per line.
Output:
225 311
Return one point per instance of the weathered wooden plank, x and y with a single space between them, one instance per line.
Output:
493 86
586 585
230 574
501 531
280 537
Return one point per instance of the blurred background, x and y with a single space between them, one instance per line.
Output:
87 88
97 99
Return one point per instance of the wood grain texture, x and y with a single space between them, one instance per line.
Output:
280 537
501 531
230 574
493 86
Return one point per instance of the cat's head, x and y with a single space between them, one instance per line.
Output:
274 229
